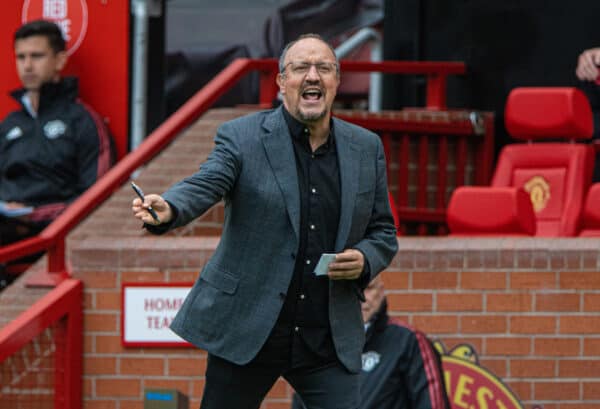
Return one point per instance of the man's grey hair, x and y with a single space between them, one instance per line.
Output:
302 37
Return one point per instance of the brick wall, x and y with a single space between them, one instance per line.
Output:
530 307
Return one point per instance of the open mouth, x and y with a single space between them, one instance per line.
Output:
312 94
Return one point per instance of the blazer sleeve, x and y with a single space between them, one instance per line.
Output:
379 244
216 177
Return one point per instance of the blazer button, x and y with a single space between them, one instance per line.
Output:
282 296
293 256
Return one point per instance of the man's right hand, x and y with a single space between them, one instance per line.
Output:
160 206
587 65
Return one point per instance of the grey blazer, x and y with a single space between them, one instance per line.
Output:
235 302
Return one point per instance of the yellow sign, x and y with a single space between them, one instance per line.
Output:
470 386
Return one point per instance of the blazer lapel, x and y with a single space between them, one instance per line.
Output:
349 163
280 154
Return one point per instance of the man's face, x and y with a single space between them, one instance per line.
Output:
310 80
37 63
374 295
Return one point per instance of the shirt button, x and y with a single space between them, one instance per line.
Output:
312 226
296 329
313 190
307 262
302 296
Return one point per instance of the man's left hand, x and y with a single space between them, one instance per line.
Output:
347 265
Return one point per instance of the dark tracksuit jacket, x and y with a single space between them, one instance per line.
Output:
400 370
47 160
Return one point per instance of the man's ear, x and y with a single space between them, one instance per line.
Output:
281 82
61 60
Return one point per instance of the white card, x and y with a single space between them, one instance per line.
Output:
323 264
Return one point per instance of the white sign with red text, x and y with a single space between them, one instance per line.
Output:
70 15
147 312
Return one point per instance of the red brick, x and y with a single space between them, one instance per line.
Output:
512 346
436 324
477 324
100 322
591 390
183 276
279 389
591 302
99 404
131 404
434 280
496 366
459 302
482 280
558 302
586 280
395 280
108 300
522 390
533 280
88 301
109 344
556 391
143 276
183 386
451 342
579 368
579 324
532 324
118 387
520 302
532 368
141 366
410 302
556 346
187 366
100 279
591 347
99 366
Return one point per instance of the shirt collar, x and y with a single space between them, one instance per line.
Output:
300 132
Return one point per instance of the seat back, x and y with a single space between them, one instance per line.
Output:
591 213
556 175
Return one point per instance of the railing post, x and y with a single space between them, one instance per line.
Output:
268 88
73 365
436 91
56 270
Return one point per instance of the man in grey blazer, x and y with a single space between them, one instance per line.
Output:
296 183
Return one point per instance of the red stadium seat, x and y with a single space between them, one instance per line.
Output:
591 213
555 175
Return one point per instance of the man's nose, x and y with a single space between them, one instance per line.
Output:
312 73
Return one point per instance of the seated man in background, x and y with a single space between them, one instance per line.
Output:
54 147
400 366
588 72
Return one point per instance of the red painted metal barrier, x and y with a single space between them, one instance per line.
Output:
429 154
53 237
41 350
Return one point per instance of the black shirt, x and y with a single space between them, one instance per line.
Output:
302 329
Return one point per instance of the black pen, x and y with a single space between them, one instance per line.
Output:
140 193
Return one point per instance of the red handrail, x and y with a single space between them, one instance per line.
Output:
52 238
63 302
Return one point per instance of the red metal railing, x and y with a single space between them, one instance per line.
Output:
52 238
40 352
428 155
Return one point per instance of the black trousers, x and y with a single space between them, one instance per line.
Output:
230 386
